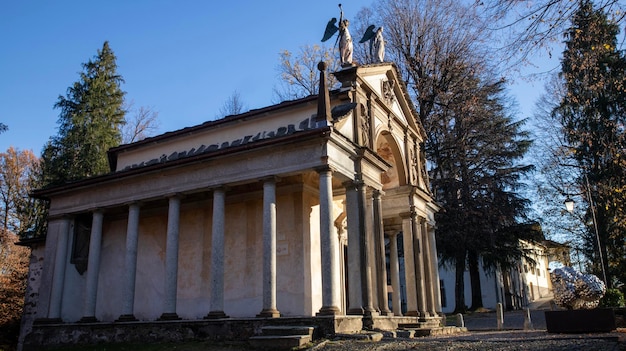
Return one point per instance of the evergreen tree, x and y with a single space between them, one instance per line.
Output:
474 147
89 122
593 113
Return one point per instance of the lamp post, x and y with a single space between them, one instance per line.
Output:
569 206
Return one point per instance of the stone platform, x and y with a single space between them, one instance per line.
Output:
60 334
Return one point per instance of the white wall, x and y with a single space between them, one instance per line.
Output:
491 286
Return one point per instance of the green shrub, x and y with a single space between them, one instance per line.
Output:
613 298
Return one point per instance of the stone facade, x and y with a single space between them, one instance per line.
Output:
276 213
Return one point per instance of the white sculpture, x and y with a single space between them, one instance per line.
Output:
378 46
345 42
344 39
575 290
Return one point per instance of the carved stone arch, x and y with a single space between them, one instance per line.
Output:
388 149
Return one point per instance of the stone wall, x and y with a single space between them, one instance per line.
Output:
29 313
58 335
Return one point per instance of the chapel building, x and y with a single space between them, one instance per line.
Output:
289 211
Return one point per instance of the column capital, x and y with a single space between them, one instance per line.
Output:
406 215
59 217
324 168
175 195
353 184
223 188
134 202
271 178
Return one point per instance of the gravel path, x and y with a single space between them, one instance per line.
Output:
488 341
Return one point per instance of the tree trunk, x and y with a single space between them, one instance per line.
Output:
459 286
474 273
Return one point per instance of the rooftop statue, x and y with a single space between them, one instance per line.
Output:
575 290
344 38
377 43
375 38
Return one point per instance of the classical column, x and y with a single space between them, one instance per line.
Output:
58 277
132 236
216 303
355 296
269 249
429 283
370 252
93 268
419 265
329 247
379 245
366 251
409 266
435 267
171 259
394 270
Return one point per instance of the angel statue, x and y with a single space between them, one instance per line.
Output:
344 38
377 43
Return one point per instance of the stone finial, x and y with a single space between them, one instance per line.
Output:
323 99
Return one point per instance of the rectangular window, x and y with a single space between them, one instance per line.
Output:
80 246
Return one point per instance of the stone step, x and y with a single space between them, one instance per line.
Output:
408 332
278 342
417 325
363 336
279 330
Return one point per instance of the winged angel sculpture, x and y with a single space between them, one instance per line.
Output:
375 38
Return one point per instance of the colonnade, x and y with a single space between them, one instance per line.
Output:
423 298
329 247
367 288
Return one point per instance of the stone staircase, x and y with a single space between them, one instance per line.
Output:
282 337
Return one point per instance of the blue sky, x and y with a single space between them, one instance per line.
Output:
183 59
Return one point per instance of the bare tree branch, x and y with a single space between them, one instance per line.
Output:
140 123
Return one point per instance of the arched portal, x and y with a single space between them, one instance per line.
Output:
387 148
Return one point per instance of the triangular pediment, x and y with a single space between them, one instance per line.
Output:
389 90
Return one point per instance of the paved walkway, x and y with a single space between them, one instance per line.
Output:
513 320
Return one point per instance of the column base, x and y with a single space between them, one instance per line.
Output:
47 321
126 318
370 312
357 311
169 317
329 311
269 313
90 319
216 315
412 314
386 314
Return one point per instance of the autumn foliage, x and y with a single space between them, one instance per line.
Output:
13 272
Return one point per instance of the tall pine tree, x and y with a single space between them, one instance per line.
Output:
475 147
89 122
593 113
